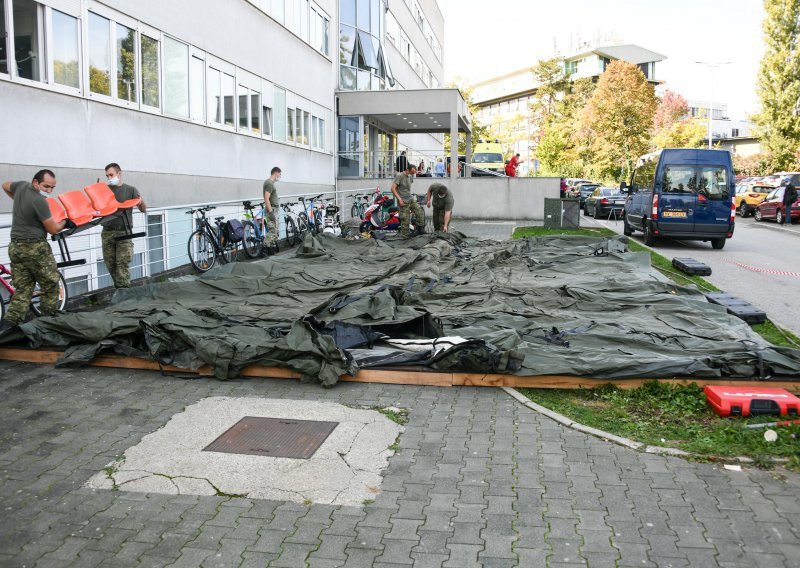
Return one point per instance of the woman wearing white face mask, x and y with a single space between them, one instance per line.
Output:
117 254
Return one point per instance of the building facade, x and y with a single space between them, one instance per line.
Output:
504 101
722 125
196 99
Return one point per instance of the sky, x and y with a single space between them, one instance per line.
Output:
484 39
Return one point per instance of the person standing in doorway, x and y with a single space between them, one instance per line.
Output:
443 202
271 205
401 163
406 203
31 258
118 253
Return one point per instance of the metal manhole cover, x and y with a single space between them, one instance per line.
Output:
273 437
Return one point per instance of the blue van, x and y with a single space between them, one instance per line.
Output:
682 193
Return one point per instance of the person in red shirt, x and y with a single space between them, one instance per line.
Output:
511 167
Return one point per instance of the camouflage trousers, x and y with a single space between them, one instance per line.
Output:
411 206
438 218
271 234
117 256
32 263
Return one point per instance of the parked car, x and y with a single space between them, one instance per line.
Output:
584 190
572 186
682 193
748 198
772 208
605 201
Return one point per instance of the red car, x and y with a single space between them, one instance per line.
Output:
772 207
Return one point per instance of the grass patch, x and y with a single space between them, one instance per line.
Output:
398 415
367 502
677 416
521 232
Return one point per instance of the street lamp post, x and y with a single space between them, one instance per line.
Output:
711 67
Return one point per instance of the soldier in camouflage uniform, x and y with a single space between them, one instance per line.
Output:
118 254
271 204
406 203
443 202
32 260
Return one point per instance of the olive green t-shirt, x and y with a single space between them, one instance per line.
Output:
269 186
403 182
30 209
445 202
123 193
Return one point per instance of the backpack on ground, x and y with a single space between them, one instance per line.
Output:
234 230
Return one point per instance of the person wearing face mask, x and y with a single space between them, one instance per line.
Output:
271 206
117 254
31 258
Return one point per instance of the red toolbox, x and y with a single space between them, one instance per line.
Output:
746 401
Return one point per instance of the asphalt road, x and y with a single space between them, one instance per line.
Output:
760 264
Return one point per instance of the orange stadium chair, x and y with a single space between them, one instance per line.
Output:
105 202
56 209
79 208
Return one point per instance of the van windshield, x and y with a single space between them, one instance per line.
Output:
710 181
714 182
487 158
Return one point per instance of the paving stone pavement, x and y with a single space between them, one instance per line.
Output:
480 480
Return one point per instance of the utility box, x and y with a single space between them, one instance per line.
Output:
562 213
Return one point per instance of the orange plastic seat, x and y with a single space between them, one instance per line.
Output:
56 210
79 208
104 200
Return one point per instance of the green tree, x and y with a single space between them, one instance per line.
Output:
778 83
618 119
672 125
552 82
479 131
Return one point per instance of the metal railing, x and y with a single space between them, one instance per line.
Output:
383 165
165 247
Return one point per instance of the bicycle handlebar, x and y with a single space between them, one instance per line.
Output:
201 209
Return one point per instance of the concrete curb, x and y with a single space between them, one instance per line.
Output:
619 440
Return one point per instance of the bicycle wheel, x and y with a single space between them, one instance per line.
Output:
202 254
291 232
302 227
62 296
252 243
229 250
318 222
354 211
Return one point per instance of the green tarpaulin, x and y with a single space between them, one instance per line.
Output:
538 306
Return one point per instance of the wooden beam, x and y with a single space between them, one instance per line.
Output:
398 376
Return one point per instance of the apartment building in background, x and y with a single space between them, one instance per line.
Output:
504 101
199 99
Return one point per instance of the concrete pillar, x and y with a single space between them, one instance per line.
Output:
453 144
469 147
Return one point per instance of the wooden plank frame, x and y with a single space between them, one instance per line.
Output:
399 376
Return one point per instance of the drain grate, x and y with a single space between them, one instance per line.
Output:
273 437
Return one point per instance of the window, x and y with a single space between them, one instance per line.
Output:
314 132
3 39
197 88
266 120
302 6
214 96
734 132
77 285
347 12
149 72
176 78
278 10
228 87
99 55
713 182
28 41
279 130
306 131
362 15
244 112
290 129
680 179
249 110
321 136
65 50
155 243
645 175
126 65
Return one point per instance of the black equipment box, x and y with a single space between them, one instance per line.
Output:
739 308
691 266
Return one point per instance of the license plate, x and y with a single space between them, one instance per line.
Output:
674 214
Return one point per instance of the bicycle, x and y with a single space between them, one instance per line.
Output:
309 216
296 229
7 290
358 207
253 241
206 242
